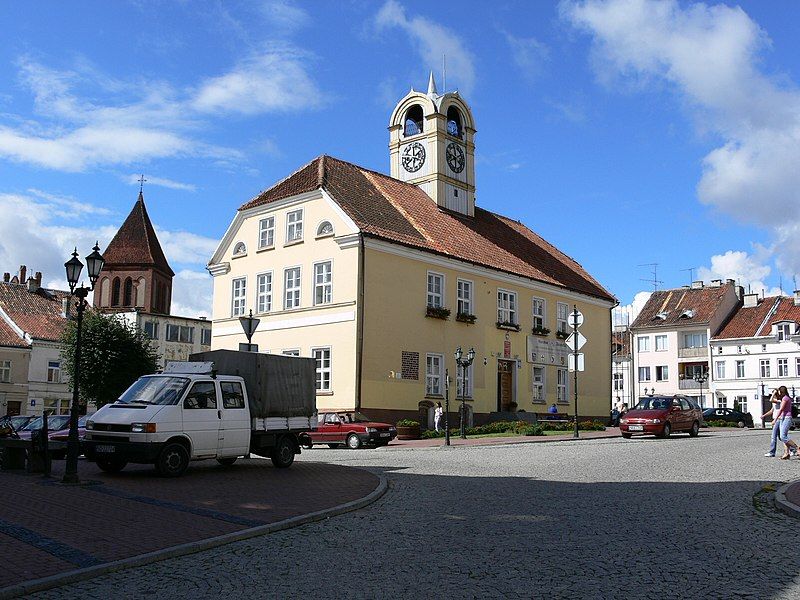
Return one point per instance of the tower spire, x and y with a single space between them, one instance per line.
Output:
432 91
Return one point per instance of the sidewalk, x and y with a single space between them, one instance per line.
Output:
787 498
47 529
610 432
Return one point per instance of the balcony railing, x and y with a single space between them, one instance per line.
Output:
690 384
701 352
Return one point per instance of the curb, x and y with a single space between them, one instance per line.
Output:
533 440
52 581
784 505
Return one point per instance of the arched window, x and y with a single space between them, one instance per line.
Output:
239 249
454 126
105 292
325 228
413 120
140 291
127 296
115 292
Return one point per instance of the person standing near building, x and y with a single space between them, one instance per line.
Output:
776 426
437 416
785 418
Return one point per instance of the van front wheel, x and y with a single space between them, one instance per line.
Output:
173 461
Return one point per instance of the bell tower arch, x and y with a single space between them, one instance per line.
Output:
431 144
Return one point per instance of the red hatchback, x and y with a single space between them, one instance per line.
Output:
348 427
662 416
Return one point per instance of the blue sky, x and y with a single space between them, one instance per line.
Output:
625 132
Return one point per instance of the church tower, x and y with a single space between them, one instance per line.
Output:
136 274
431 144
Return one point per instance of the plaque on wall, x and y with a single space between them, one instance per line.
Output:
546 352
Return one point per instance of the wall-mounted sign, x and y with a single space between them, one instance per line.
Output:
546 352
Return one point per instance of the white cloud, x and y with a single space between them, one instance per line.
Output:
709 55
432 41
285 15
529 54
186 248
747 270
626 314
133 179
192 293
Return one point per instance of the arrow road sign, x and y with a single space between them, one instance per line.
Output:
575 318
581 363
575 339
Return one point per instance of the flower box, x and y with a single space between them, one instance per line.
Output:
562 335
437 312
543 331
466 318
508 326
408 429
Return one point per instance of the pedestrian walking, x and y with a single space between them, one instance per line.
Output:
785 418
776 425
437 416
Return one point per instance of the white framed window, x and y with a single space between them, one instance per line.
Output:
55 406
291 286
179 333
239 249
661 343
763 365
264 292
719 369
464 382
435 289
784 331
562 381
53 371
783 367
644 373
742 402
464 293
722 402
205 337
239 296
537 379
662 373
539 316
325 228
266 233
506 306
5 371
323 282
643 343
695 340
323 358
294 225
433 374
619 382
562 315
151 329
739 369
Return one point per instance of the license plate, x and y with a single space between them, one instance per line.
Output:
636 427
385 434
104 448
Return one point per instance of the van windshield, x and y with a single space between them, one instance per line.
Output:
158 389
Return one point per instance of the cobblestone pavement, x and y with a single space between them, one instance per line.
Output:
676 518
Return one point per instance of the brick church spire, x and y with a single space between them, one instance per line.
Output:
136 273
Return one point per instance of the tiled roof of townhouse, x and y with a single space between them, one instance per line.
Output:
136 243
389 209
620 343
9 337
756 321
682 306
38 313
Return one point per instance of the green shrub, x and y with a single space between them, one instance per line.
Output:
719 423
407 423
534 429
583 426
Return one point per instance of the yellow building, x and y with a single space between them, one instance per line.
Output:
381 278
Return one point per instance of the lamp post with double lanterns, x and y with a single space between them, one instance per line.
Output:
464 363
701 378
94 264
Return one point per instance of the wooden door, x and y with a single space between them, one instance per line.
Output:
505 385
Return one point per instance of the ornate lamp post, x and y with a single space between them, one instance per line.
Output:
701 378
464 363
94 264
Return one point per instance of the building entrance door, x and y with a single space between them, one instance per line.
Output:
505 385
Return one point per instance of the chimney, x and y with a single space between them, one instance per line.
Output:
739 291
697 285
716 283
750 300
797 297
6 277
23 270
731 281
33 284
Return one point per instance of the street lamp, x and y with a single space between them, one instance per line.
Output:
249 324
464 363
701 378
94 264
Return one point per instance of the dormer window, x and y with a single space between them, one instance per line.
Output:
413 121
324 229
454 127
687 314
239 249
784 330
662 316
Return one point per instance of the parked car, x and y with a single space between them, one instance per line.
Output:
13 423
662 416
54 423
62 435
729 415
348 427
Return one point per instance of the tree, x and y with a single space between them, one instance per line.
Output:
114 353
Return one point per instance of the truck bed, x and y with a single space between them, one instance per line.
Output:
283 424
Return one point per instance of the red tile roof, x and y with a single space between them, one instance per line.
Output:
37 313
136 244
9 337
390 209
758 320
682 306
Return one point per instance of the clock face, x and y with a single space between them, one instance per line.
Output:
413 157
455 157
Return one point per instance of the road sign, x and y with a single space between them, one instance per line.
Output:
575 318
575 339
581 363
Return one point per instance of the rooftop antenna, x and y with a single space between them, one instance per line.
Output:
780 284
794 281
444 73
655 281
691 273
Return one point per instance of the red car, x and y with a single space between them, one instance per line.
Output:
348 427
662 416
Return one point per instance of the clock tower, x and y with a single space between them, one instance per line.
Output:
431 144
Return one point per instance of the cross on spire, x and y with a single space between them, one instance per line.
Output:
141 181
